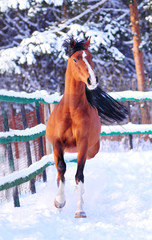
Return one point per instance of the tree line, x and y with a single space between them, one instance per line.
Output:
32 34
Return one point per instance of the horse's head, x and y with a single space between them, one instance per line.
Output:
80 60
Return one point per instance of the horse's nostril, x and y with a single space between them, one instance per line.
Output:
88 81
97 79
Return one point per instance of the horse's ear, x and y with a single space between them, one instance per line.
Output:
87 43
72 43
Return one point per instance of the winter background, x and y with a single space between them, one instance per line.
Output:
118 196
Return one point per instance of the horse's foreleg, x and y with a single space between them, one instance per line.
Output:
60 201
80 191
80 181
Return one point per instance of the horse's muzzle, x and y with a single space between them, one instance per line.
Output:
92 84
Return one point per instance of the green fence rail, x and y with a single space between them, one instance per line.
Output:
22 135
23 97
5 183
40 130
25 175
44 97
126 129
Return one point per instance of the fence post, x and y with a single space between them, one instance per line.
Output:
130 135
28 150
46 116
10 157
14 127
37 106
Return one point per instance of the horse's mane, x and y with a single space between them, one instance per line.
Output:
72 45
109 110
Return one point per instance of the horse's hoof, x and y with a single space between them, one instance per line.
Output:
80 215
59 205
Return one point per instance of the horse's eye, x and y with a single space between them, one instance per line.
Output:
75 60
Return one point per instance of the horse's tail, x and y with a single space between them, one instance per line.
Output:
108 108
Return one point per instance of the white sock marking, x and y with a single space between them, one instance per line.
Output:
80 192
91 73
60 197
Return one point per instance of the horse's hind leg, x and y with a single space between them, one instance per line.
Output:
59 201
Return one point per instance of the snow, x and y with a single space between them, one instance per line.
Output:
56 97
37 95
105 130
51 40
127 128
24 4
26 172
26 132
116 54
149 18
105 37
55 2
148 7
117 202
132 95
40 42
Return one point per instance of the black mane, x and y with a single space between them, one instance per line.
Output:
72 45
109 110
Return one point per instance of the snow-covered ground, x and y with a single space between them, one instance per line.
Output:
118 203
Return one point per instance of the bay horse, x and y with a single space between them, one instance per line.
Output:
74 125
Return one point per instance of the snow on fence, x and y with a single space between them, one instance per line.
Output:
17 178
11 136
39 130
44 97
22 135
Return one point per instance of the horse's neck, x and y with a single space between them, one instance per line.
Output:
74 94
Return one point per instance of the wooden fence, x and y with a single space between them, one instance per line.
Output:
8 136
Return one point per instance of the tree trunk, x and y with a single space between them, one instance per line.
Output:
138 56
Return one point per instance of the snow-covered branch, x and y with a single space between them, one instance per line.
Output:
70 21
25 4
48 42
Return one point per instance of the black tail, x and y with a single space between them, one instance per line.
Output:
108 108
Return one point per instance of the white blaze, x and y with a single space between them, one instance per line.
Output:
91 73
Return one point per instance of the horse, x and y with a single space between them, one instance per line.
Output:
75 123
